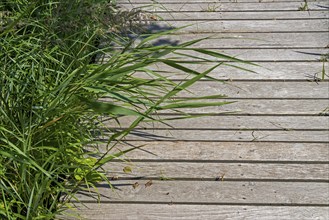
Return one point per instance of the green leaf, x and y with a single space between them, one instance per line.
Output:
105 107
110 157
127 169
192 105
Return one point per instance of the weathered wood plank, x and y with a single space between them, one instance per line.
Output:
216 192
242 26
261 55
227 151
229 6
259 89
103 211
264 107
251 40
228 135
222 171
249 15
265 71
231 122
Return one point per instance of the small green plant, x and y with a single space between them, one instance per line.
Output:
324 59
211 8
304 6
325 112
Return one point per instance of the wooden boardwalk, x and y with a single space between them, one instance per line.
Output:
270 160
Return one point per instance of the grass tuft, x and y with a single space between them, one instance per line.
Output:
54 95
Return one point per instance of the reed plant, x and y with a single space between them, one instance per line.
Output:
51 92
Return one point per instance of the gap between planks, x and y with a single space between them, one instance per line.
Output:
209 1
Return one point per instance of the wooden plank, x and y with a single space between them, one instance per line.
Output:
263 55
259 90
263 107
265 71
229 6
251 40
243 26
215 192
226 151
231 122
105 211
256 89
228 135
248 15
219 171
260 55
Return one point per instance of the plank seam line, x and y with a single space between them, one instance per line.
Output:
262 61
250 32
243 114
237 11
218 141
248 98
258 48
241 19
251 48
205 203
315 60
241 98
214 179
222 2
214 129
226 161
261 32
261 80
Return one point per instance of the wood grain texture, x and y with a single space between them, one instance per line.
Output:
265 71
228 6
275 55
220 171
258 90
198 212
227 135
243 26
258 55
226 151
215 192
254 89
249 15
261 107
250 40
230 122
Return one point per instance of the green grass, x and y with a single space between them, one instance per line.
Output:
304 6
50 98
